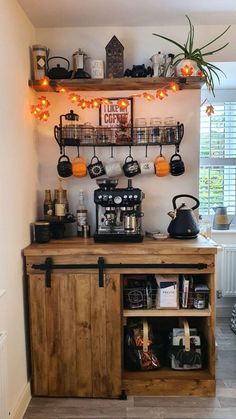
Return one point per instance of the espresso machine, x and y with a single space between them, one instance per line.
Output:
118 212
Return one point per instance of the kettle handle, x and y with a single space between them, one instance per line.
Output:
62 58
186 196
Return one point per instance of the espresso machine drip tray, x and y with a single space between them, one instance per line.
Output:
118 238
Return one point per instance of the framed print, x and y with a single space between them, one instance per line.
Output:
112 115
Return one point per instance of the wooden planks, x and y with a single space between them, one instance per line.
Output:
123 83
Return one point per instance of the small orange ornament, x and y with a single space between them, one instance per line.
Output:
44 82
174 86
123 103
148 96
161 94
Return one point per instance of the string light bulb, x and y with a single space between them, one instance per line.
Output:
209 110
174 87
161 94
148 96
44 101
44 82
123 103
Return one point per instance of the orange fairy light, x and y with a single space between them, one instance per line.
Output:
44 82
44 101
209 110
200 74
73 97
44 116
106 101
136 95
96 103
174 86
61 89
161 94
148 96
123 103
186 71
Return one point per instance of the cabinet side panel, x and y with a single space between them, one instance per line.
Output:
39 357
83 335
98 333
113 331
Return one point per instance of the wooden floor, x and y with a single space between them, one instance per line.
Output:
223 406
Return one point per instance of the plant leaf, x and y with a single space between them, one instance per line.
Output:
215 39
172 41
215 50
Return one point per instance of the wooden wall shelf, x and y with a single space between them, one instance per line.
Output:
129 83
167 313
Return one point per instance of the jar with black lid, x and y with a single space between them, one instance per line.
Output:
42 231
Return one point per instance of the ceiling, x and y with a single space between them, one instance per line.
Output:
69 13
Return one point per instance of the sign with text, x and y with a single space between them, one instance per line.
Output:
111 115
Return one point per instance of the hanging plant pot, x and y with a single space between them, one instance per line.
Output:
187 68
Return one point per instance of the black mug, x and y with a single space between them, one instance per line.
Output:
64 166
42 231
96 169
131 168
176 165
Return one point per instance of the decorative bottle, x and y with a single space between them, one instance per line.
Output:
47 205
60 204
82 214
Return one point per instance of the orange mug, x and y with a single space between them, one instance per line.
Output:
162 166
79 168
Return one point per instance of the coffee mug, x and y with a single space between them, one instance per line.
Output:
79 168
162 167
176 165
147 167
64 167
95 169
131 168
113 167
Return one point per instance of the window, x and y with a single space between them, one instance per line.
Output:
217 183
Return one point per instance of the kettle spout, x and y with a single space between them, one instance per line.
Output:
172 214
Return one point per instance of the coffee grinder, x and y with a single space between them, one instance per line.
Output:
118 212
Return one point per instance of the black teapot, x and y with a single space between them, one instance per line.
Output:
183 224
59 72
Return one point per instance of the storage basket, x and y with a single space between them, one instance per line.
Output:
186 350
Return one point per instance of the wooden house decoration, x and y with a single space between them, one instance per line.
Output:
114 58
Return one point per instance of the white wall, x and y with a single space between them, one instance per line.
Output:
18 168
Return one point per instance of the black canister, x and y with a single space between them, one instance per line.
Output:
42 231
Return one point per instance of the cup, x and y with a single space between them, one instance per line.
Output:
104 135
79 168
131 168
176 165
88 133
113 167
95 168
64 167
169 121
147 167
162 167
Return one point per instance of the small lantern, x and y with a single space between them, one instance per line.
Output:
68 128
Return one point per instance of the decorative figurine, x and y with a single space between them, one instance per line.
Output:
114 58
139 71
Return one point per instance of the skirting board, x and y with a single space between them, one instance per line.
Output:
22 403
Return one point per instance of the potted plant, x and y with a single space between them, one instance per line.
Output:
196 63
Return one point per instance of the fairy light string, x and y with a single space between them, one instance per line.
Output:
40 110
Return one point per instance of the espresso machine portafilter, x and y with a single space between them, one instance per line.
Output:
118 212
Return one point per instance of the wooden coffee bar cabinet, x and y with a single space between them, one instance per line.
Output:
77 316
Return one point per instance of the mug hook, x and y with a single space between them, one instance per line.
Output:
160 150
146 151
130 155
94 151
77 151
112 155
176 148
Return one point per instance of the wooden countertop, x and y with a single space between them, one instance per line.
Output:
74 245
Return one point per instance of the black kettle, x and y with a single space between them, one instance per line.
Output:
59 72
183 224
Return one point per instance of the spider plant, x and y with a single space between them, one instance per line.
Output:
198 55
